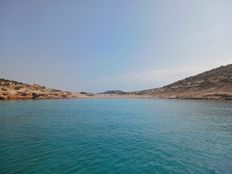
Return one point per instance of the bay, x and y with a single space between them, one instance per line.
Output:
116 136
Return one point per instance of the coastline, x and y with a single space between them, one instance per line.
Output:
117 96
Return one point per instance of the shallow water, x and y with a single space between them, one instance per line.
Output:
116 136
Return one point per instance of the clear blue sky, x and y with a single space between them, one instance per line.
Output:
96 45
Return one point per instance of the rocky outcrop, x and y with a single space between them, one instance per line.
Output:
12 90
213 84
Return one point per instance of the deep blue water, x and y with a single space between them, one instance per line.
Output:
116 136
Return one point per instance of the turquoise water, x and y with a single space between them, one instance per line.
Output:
116 136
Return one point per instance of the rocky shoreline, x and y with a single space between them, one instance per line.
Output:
215 84
12 90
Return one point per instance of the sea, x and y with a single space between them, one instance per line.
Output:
111 136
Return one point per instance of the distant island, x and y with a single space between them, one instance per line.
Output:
114 92
214 84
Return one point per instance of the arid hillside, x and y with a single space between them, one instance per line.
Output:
213 84
12 90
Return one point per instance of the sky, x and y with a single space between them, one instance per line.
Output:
99 45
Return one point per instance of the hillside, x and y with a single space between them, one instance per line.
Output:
12 90
213 84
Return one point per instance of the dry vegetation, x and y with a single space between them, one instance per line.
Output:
11 90
213 84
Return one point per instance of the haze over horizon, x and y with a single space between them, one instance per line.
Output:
101 45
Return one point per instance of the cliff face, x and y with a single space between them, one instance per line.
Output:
11 90
213 84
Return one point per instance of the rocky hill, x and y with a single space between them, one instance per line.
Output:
213 84
12 90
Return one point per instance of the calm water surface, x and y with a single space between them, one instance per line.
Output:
116 136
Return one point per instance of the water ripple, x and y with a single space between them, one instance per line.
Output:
116 136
